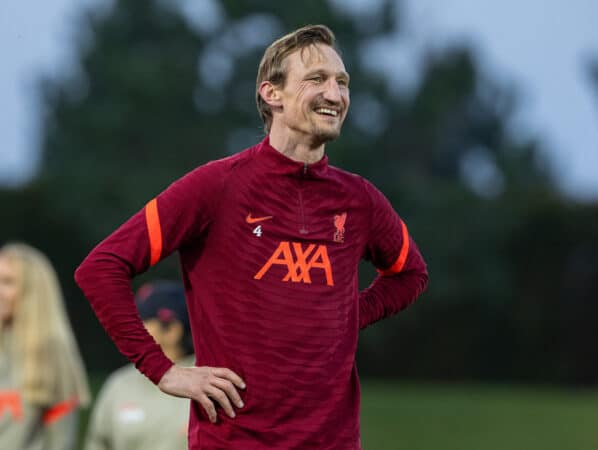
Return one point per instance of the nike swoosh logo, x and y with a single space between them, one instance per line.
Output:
250 219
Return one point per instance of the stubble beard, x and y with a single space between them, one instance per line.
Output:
322 135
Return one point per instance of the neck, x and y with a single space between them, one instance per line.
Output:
295 148
173 353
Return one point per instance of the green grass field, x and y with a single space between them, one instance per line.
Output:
416 416
466 417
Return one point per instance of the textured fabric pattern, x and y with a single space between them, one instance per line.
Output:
269 251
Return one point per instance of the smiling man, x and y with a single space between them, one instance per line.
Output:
269 241
308 93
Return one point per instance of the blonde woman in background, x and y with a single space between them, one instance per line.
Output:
42 379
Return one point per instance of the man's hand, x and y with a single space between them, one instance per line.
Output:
204 384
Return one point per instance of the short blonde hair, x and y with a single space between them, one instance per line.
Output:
47 361
272 68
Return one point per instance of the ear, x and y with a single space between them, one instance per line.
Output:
270 94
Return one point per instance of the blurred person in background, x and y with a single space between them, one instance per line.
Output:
131 412
42 378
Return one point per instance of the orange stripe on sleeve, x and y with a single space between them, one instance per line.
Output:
400 262
58 411
154 230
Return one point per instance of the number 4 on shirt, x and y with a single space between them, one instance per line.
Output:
257 231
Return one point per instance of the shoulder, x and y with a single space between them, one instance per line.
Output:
205 182
224 166
353 182
121 378
361 189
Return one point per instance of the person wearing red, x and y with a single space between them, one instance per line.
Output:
269 241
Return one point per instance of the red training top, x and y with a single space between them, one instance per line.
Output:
269 251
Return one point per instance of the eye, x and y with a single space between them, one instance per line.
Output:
317 79
343 82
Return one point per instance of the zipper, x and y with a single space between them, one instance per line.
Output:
303 229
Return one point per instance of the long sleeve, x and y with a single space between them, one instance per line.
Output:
177 217
402 271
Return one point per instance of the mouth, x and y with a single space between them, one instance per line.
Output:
327 111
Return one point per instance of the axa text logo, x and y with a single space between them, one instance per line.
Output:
299 261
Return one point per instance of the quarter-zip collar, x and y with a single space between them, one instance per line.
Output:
283 165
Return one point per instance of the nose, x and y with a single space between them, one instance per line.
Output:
332 91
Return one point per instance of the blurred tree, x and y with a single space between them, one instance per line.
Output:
125 125
159 99
160 92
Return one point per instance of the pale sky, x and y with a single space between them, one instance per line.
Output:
547 64
543 46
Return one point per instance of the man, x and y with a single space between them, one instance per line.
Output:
269 241
131 413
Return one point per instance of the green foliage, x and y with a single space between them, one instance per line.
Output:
128 126
512 265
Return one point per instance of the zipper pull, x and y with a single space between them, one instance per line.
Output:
304 168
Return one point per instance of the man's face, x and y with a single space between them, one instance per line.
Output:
315 97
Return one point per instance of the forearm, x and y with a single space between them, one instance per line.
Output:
389 294
105 279
177 216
